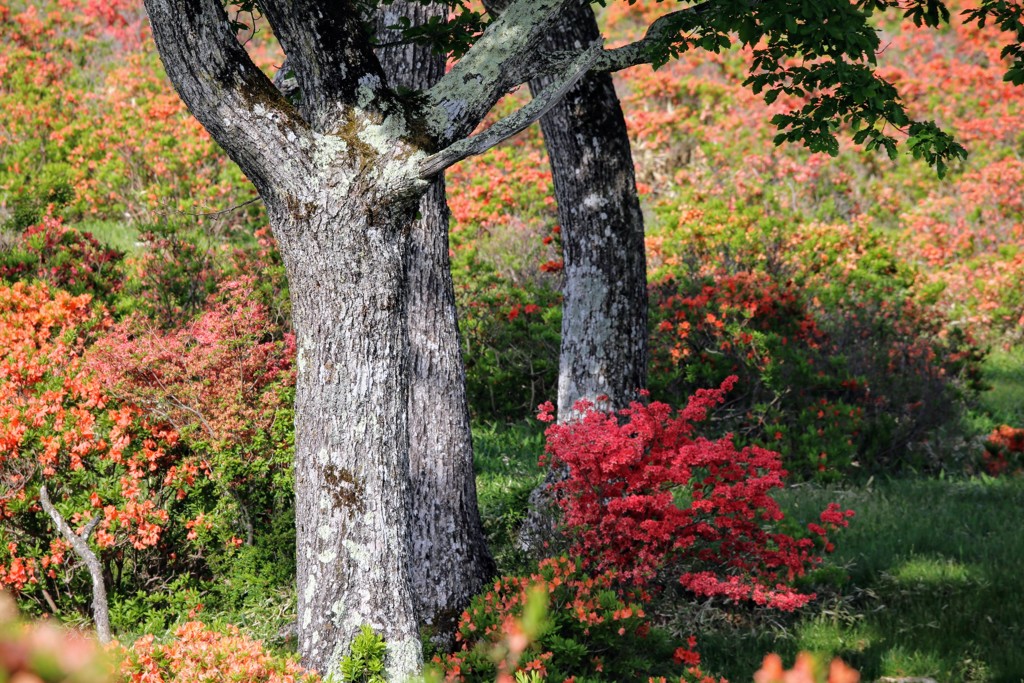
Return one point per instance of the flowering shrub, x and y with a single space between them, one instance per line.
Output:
105 466
511 341
645 496
64 257
592 632
199 653
90 122
1004 451
218 377
841 365
226 382
173 276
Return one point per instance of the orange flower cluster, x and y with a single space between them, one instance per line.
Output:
1004 451
198 653
57 427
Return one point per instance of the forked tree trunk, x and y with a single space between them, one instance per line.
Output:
346 261
80 545
342 176
451 561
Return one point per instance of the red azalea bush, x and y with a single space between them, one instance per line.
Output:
176 444
226 381
646 496
221 378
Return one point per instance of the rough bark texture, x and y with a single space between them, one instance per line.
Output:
604 314
604 310
340 204
451 561
347 280
80 544
341 179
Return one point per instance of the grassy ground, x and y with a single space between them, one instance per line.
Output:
927 581
117 234
1004 373
505 459
933 586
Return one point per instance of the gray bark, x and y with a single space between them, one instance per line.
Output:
80 545
451 561
604 314
341 191
604 310
348 286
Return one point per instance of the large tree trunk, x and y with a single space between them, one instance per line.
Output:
451 561
346 260
342 175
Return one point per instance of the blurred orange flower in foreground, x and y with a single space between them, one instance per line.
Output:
806 670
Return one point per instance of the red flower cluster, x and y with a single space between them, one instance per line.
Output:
66 258
645 495
218 375
1004 451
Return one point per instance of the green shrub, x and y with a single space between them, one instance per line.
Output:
365 662
511 339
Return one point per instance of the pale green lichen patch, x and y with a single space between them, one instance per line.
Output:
310 590
369 85
405 658
383 136
359 554
329 150
479 78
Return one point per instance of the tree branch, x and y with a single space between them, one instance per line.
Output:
87 530
100 610
230 96
659 32
514 123
331 56
500 60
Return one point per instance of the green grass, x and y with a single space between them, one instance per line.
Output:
1003 371
934 586
927 581
505 459
115 234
